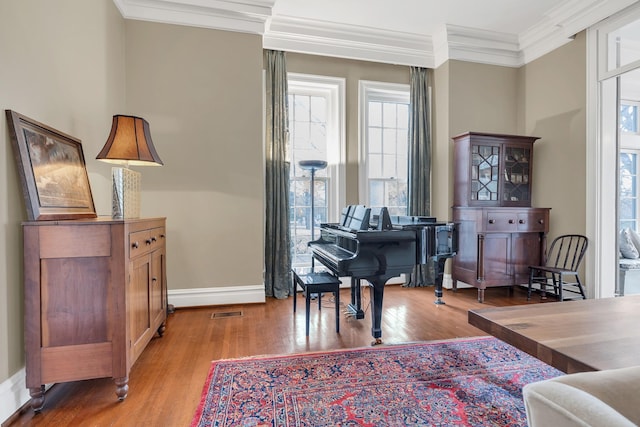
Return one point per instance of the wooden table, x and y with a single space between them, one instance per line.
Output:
573 336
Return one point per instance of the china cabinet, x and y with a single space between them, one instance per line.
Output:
500 233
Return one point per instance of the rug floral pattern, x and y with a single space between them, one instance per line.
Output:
465 382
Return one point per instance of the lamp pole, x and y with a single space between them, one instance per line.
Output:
312 166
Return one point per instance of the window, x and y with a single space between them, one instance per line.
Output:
384 145
315 133
628 210
629 117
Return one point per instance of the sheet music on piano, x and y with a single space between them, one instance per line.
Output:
370 244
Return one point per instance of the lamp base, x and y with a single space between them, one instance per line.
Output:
125 201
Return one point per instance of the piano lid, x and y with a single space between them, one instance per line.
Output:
412 220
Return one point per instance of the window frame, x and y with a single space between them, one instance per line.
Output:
374 91
636 104
333 90
636 152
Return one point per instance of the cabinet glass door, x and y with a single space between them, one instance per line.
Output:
517 188
485 161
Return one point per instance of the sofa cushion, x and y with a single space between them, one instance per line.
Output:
603 398
635 239
629 264
627 247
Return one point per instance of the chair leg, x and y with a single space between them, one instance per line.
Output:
530 284
558 283
580 287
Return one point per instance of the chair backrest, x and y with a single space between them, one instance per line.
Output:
567 251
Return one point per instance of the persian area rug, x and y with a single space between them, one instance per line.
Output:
465 382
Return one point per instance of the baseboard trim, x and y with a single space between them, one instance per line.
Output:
447 283
13 395
216 296
248 294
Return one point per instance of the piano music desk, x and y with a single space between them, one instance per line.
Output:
316 283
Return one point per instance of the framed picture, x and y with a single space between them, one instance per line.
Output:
52 170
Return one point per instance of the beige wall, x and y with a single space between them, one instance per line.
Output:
468 97
553 102
201 91
72 64
63 65
352 71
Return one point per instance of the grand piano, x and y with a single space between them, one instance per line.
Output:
375 246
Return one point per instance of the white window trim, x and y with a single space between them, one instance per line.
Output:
636 151
601 260
336 168
371 90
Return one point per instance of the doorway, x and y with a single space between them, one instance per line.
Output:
613 151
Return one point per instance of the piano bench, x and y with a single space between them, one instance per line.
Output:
316 283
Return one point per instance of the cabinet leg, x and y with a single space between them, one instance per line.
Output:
37 398
122 387
480 295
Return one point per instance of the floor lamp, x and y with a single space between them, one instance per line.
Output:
313 166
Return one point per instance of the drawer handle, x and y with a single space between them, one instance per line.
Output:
154 279
148 242
541 221
153 239
492 221
511 221
521 221
135 245
162 236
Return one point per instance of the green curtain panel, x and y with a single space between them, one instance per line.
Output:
419 181
277 240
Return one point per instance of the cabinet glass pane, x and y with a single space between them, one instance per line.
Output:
484 172
516 174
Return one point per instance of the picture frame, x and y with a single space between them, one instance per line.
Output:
52 170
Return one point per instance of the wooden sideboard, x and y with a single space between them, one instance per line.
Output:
95 295
499 233
499 244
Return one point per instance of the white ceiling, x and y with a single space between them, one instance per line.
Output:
408 32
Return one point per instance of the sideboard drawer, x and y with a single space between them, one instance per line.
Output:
534 221
500 221
145 241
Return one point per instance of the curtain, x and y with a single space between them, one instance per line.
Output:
277 281
419 180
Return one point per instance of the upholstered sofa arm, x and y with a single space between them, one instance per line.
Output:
608 398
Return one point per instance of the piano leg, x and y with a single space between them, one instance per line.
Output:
355 308
439 278
376 290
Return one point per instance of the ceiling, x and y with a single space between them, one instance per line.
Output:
408 32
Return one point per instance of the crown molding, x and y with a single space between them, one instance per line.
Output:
347 41
473 45
247 16
314 37
563 22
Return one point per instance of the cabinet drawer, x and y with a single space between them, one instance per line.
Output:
537 221
145 241
522 221
500 221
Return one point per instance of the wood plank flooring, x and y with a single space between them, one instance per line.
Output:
166 382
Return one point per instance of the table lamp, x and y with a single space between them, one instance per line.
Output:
129 144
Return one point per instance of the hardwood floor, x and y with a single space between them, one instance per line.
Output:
166 382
